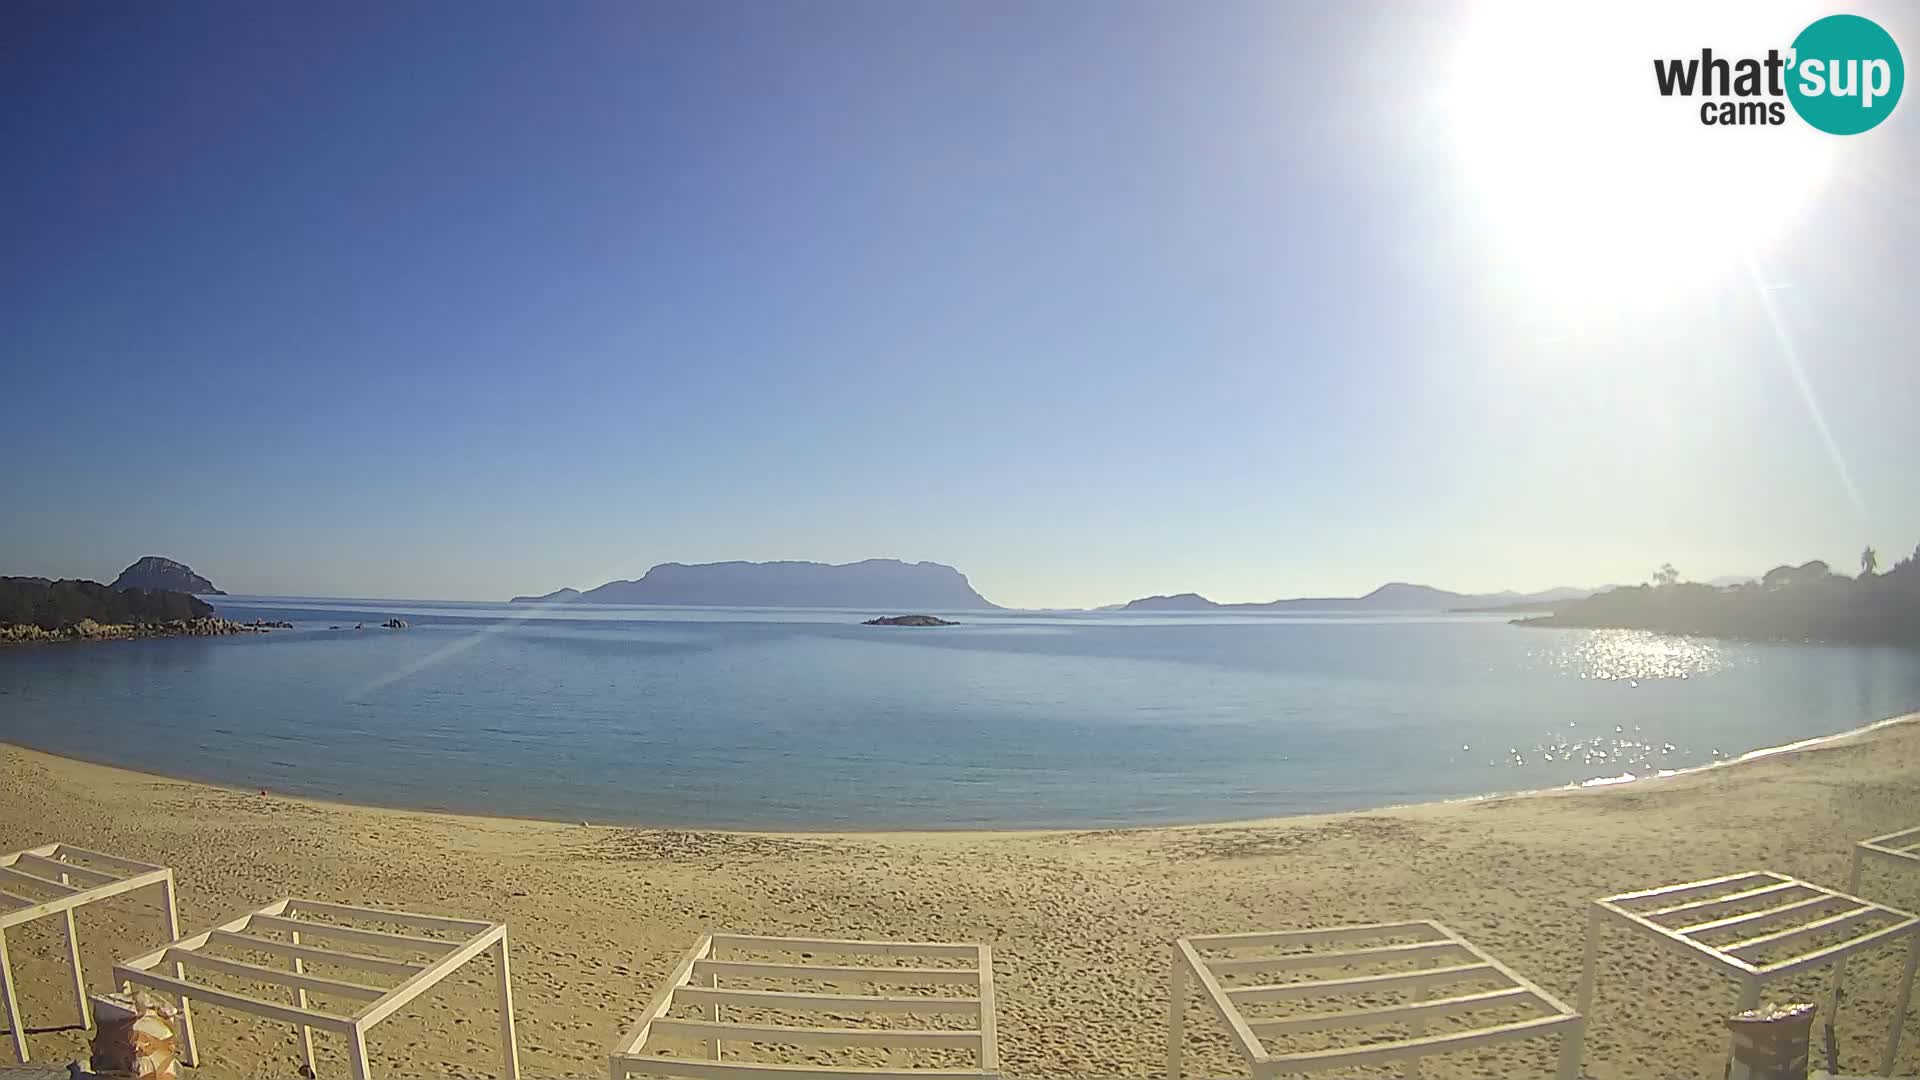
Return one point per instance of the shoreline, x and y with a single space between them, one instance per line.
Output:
1597 784
1079 920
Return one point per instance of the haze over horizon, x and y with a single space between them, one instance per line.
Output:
1090 301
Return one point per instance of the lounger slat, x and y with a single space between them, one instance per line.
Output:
1416 951
1361 984
1896 839
318 954
354 911
127 867
83 874
804 1036
8 873
902 976
1393 1014
1796 933
350 933
1693 888
781 999
212 994
844 946
1364 1055
1425 931
1756 916
1831 953
735 1070
1730 900
13 900
277 976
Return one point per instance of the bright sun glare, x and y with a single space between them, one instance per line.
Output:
1599 191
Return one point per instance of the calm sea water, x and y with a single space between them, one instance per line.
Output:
762 718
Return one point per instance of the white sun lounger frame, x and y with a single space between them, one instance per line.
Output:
1803 912
1900 849
1459 959
381 1002
51 867
697 977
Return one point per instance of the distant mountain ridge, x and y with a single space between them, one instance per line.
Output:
1393 596
157 572
871 584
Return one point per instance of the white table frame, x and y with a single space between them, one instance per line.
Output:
696 980
1459 958
475 936
52 868
1804 912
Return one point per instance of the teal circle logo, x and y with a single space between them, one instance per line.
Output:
1847 75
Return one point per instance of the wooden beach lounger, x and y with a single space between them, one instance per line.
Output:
1757 927
936 999
285 930
1248 979
55 879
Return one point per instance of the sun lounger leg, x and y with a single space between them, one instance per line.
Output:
300 999
9 991
1840 965
191 1056
357 1054
79 978
509 1047
1176 1014
1572 1043
1900 1002
1588 962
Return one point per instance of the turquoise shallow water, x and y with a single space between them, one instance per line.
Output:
797 719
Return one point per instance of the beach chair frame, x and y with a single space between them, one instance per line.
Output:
76 877
696 978
1457 959
1899 849
1805 911
471 938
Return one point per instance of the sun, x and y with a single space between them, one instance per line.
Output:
1595 190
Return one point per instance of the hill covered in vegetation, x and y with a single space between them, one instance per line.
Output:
35 609
1791 603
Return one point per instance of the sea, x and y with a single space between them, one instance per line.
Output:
807 720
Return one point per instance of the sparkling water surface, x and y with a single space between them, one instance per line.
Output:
805 719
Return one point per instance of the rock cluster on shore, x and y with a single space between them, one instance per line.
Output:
88 630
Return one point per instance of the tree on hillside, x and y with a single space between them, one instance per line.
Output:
1869 561
1666 575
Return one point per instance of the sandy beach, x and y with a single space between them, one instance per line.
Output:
1080 921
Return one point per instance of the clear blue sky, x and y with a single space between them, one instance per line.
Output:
1089 299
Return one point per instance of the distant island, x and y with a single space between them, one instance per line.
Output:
1808 602
36 609
1393 596
872 584
909 620
157 572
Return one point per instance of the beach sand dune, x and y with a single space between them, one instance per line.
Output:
1081 922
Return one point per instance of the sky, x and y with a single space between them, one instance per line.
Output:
1092 299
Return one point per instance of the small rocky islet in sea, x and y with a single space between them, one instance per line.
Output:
909 620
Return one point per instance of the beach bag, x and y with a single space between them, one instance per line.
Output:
135 1035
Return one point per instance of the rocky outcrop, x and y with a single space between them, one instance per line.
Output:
395 623
88 630
155 572
909 620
